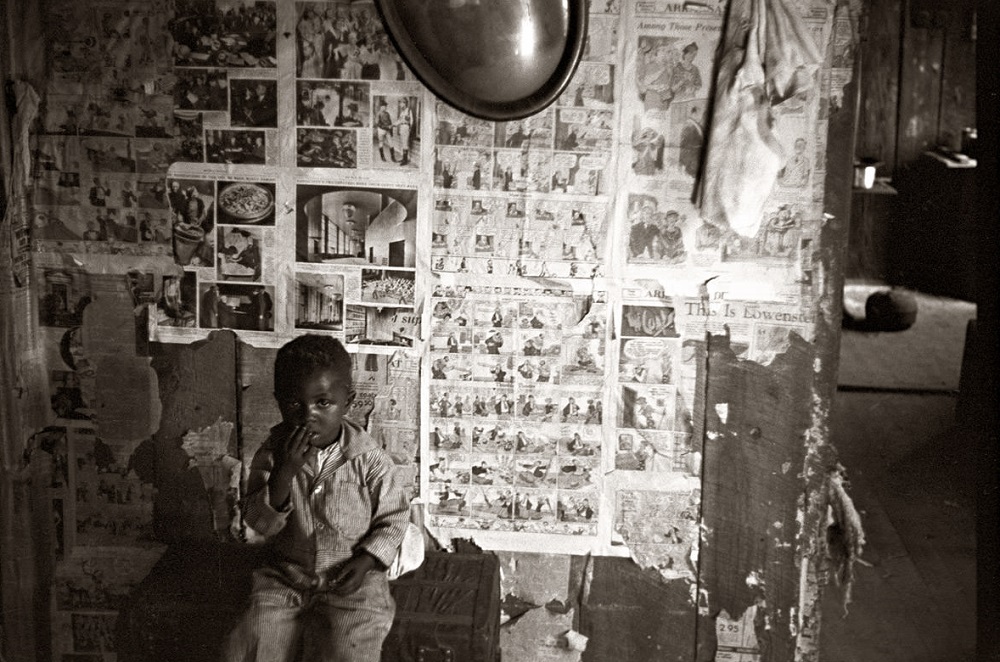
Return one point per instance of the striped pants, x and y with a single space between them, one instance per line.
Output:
284 623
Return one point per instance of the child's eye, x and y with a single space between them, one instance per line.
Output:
292 404
324 403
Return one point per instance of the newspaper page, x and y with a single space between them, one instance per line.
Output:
516 407
112 501
387 404
664 117
521 236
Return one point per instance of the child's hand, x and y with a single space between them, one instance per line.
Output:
292 454
289 457
349 576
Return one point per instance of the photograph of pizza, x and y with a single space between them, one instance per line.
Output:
246 202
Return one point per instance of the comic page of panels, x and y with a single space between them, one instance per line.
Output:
102 502
521 236
516 405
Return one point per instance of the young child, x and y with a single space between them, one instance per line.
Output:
322 493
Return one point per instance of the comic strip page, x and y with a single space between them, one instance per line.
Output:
516 407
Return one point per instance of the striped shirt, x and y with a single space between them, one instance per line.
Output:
348 502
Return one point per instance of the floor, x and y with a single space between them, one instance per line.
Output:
912 477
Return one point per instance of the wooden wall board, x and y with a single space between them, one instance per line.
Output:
879 82
869 243
958 74
197 388
258 411
756 423
632 615
919 89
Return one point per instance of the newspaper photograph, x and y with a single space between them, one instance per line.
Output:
355 225
224 33
344 39
389 387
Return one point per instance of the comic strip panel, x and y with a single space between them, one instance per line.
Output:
649 321
655 234
650 450
648 361
647 407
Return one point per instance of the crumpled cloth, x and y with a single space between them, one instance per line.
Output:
768 56
411 553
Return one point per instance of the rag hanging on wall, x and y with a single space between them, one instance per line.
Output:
768 57
497 60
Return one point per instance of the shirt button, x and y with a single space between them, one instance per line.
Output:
320 526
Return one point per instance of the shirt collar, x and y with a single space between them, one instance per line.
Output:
354 440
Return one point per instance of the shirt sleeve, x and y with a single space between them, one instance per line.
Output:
259 513
390 508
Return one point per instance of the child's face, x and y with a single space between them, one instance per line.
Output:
319 403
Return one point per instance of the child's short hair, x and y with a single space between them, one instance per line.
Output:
300 357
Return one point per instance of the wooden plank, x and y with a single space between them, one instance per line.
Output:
868 242
632 615
879 83
919 88
958 74
756 422
257 409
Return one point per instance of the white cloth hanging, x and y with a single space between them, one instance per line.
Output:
768 57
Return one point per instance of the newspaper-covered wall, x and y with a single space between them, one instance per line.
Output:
524 299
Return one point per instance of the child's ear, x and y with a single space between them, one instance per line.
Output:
351 393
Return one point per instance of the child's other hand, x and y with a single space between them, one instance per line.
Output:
295 450
349 576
